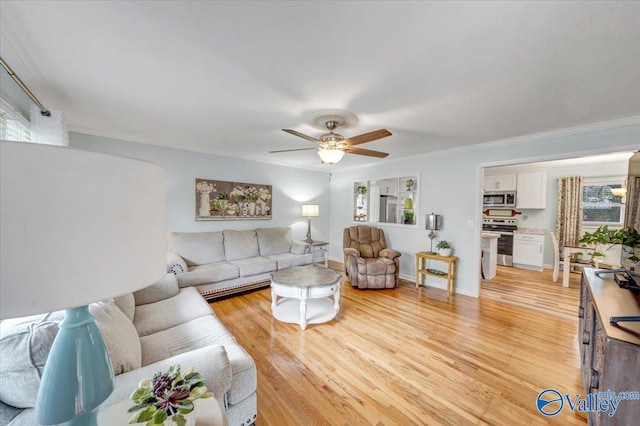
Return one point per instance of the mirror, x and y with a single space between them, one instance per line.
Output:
390 200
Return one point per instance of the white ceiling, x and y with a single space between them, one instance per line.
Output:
225 77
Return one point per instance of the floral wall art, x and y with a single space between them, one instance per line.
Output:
222 200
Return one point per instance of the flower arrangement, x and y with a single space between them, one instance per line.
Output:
237 195
251 193
263 194
223 196
167 395
205 187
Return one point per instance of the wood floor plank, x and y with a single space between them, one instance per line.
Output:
413 356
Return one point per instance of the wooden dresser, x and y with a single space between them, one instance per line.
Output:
610 354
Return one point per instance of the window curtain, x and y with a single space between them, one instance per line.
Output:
569 219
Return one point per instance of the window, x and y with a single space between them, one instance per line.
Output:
12 128
599 205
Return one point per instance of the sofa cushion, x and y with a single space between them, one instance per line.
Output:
119 335
168 313
196 334
274 240
206 274
24 348
164 289
197 248
240 244
284 260
254 266
127 305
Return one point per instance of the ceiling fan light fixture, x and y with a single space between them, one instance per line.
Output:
330 155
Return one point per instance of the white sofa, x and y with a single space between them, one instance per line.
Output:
145 332
227 262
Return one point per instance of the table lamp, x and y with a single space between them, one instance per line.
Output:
77 227
433 222
310 210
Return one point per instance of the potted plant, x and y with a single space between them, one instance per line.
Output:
168 397
598 239
444 248
408 218
630 240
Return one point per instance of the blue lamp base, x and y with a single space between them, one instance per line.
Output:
78 375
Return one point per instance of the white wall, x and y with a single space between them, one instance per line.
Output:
451 185
291 186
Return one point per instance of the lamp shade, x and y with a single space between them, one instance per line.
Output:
433 222
330 155
310 210
619 192
76 227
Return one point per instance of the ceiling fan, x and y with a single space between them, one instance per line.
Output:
333 145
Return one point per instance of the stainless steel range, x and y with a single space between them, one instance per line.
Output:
505 228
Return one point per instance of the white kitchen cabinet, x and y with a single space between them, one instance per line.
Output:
502 182
528 251
532 190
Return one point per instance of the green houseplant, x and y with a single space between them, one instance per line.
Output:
167 397
444 248
603 236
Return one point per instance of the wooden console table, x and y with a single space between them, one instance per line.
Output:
609 353
422 270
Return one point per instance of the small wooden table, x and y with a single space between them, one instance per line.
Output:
422 270
305 292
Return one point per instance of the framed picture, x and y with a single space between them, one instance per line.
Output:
222 200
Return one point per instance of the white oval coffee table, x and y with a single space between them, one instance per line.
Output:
305 293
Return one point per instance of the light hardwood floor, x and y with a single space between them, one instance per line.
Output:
410 356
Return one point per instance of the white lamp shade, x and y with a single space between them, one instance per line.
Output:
310 210
330 155
76 227
619 192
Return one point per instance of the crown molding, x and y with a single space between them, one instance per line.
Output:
569 131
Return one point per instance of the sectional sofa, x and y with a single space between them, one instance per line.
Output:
145 332
226 262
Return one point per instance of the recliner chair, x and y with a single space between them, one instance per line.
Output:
367 260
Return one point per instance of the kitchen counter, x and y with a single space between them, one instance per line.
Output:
531 231
489 254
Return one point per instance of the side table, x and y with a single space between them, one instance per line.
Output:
320 251
208 413
422 270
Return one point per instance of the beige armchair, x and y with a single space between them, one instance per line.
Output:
367 260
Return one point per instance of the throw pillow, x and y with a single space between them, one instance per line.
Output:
119 334
23 352
127 305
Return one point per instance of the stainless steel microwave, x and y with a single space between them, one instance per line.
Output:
499 199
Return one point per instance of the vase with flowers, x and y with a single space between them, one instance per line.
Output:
167 398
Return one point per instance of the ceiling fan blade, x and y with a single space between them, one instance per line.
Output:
367 137
367 152
287 150
302 135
